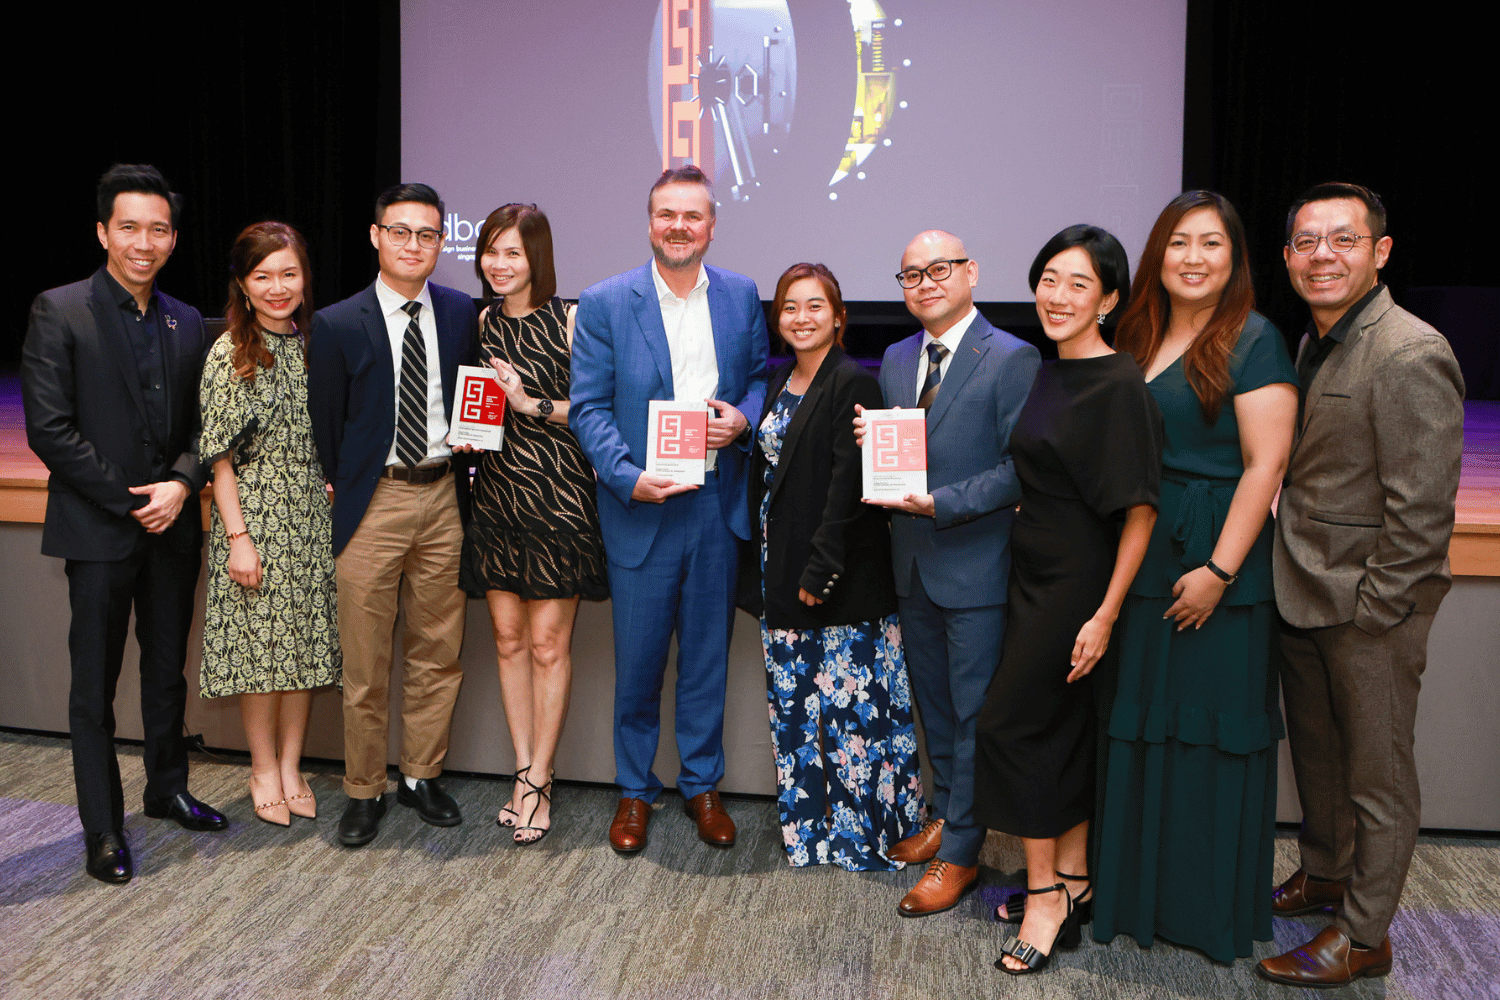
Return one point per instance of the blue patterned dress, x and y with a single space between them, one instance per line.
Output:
838 694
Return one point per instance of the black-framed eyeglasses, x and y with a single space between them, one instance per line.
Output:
938 270
1306 243
427 239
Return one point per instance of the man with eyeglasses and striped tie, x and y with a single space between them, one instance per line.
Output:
950 547
382 368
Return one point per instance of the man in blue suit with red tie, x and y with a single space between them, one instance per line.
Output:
673 329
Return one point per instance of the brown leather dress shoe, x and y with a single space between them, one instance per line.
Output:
1301 894
1327 960
921 846
941 888
714 825
627 834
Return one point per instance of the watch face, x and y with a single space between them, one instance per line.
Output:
544 407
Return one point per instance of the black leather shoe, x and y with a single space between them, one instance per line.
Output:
361 821
434 805
187 812
107 859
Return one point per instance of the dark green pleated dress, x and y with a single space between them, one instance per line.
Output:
1189 720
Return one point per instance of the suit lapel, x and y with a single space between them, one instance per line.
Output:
719 319
903 376
447 345
171 347
111 330
653 331
380 344
971 350
810 402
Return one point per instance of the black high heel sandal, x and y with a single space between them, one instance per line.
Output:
500 820
1015 903
542 792
1069 935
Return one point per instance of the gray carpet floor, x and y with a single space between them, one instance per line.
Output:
262 911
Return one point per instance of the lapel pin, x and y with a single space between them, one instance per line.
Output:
171 323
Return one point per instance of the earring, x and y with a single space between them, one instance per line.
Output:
1102 318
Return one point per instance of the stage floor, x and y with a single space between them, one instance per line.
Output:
1476 537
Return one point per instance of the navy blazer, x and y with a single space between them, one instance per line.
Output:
351 392
86 419
964 552
621 362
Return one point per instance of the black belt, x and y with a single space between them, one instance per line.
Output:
419 475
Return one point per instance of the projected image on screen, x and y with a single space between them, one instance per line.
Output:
834 130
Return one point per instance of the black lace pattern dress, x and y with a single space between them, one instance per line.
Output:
534 525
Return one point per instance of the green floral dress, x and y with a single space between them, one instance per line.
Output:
283 636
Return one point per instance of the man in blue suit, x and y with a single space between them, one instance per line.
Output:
380 387
951 547
673 329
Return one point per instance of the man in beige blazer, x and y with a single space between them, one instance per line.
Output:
1361 564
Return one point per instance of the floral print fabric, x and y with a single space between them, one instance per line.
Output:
841 724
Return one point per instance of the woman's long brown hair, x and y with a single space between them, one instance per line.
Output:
252 246
1144 326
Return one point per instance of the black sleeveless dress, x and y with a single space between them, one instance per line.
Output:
534 524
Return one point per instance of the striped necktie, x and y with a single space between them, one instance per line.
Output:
936 352
411 415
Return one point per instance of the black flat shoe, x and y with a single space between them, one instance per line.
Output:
187 812
361 821
1015 903
434 805
107 858
1068 936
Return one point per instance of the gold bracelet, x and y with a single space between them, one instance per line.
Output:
232 535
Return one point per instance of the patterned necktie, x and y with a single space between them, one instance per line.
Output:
411 413
936 352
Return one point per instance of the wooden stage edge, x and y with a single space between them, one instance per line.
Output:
1476 537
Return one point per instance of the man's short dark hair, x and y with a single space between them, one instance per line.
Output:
422 194
140 178
1374 209
689 174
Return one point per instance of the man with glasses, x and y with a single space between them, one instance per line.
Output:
1361 564
382 368
950 547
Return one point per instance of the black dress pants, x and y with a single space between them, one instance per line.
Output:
159 582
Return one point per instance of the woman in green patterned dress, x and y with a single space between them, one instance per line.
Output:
270 631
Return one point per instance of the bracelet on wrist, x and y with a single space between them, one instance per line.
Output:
1228 578
242 533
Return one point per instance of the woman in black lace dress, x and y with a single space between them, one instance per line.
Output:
533 544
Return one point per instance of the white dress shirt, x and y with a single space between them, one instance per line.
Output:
950 340
690 342
396 321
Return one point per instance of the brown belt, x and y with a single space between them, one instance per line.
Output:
419 475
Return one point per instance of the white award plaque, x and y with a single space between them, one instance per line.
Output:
478 409
677 441
894 453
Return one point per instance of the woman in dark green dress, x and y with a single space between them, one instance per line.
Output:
1189 717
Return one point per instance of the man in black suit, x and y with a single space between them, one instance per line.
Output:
381 375
109 380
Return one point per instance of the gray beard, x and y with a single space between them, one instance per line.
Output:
691 264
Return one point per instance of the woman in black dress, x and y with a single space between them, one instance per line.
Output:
1087 450
533 544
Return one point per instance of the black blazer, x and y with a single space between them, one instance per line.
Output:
351 393
86 419
821 538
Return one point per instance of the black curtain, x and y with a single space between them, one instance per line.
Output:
277 111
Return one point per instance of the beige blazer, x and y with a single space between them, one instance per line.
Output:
1366 512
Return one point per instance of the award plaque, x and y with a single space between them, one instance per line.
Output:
895 453
677 441
478 409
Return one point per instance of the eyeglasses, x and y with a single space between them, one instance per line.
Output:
938 270
400 236
1306 243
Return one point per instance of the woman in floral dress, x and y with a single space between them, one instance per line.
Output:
270 630
840 705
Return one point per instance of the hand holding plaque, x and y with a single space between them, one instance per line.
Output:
677 441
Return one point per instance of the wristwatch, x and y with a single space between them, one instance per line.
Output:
544 408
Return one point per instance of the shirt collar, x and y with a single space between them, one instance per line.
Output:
955 334
123 298
1340 330
391 300
663 292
